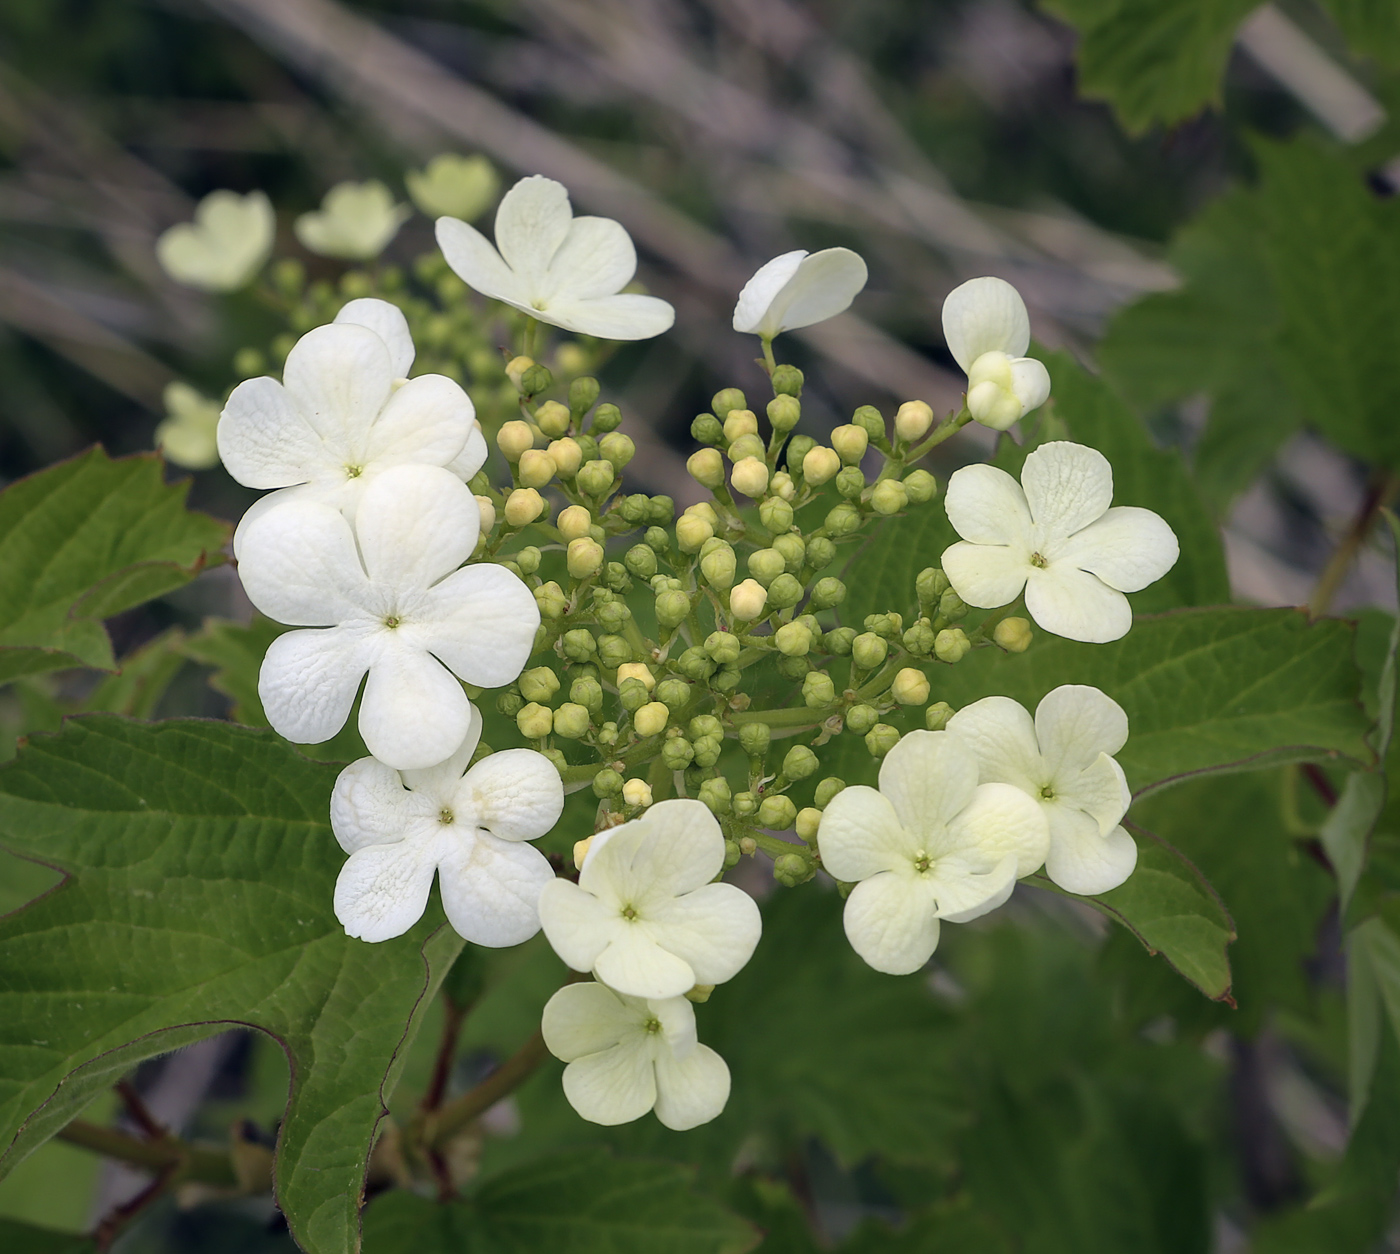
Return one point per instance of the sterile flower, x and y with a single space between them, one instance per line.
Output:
563 270
1055 536
468 826
988 331
644 916
453 186
391 602
1063 761
627 1056
356 221
798 289
226 244
932 843
343 414
187 436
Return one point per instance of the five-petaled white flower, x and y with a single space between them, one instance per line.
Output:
391 602
798 289
355 221
563 270
932 843
988 331
343 413
627 1056
644 916
226 244
470 826
1055 536
1063 761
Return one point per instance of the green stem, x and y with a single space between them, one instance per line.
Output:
206 1164
769 364
794 716
504 1080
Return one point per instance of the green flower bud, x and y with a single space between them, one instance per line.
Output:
673 692
571 721
827 592
633 694
607 734
821 552
553 419
818 690
656 539
881 739
850 482
716 795
784 592
587 447
613 616
775 514
588 693
579 645
792 869
931 584
718 567
535 379
671 608
777 813
706 467
745 804
869 420
886 626
534 721
640 560
583 394
793 668
843 520
677 753
536 468
869 650
509 703
861 718
696 664
614 651
732 854
747 446
951 606
595 477
607 783
809 821
793 549
727 399
850 443
787 381
663 509
797 449
704 725
617 448
539 684
584 557
839 641
951 645
1013 634
910 687
766 565
754 739
784 411
528 560
723 646
920 486
634 508
889 497
793 640
800 762
606 419
615 576
706 429
551 600
918 640
707 750
827 790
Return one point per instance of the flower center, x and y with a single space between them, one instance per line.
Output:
629 912
445 816
1048 792
354 472
392 621
1038 560
652 1026
923 864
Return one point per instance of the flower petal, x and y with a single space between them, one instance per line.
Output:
531 223
823 285
597 258
986 575
928 777
382 890
677 1018
690 1090
1083 861
1067 487
387 321
491 888
634 963
481 622
441 782
986 506
473 455
890 922
1128 548
1074 723
1003 737
263 439
582 1019
1000 821
1030 381
577 925
615 1086
713 929
298 564
1077 605
860 835
339 377
683 849
414 713
627 316
308 682
751 311
369 805
473 260
967 889
428 421
984 316
415 524
1098 792
515 794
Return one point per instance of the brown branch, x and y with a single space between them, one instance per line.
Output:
1380 494
138 1112
442 1126
453 1017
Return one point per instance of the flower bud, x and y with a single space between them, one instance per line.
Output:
808 823
777 813
880 739
707 751
588 693
951 645
673 693
797 449
869 650
588 447
775 513
951 606
784 411
790 545
535 721
617 449
704 725
931 584
607 783
912 421
716 795
706 429
596 477
827 592
583 394
782 486
705 511
636 792
839 641
910 687
581 848
579 645
754 738
528 559
747 601
821 552
661 510
850 443
488 513
842 520
523 506
718 567
615 651
861 718
706 467
677 753
1013 634
585 557
613 617
574 522
632 693
792 869
567 457
607 735
692 531
745 804
536 468
551 600
509 703
639 671
800 762
871 421
539 684
818 690
766 565
740 422
535 379
727 400
694 663
850 482
724 646
793 640
793 668
820 465
750 476
634 508
671 608
552 418
918 640
746 446
606 419
514 438
889 497
787 380
571 721
920 486
826 791
651 719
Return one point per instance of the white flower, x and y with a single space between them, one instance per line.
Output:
1055 536
798 289
563 270
627 1056
931 844
644 916
453 186
226 244
356 221
1063 761
343 414
988 332
187 436
393 603
470 826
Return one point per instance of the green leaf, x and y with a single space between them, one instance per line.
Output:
576 1203
20 1238
142 678
201 867
1348 826
84 540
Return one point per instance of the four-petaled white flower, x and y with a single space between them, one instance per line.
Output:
988 331
1055 536
391 602
453 186
1063 761
798 289
355 221
644 916
627 1056
188 436
470 826
344 413
932 843
563 270
226 244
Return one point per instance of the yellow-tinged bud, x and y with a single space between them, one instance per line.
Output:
793 640
850 443
820 465
488 513
552 418
740 422
718 566
535 721
514 438
747 601
692 531
636 670
808 821
571 720
704 510
951 645
567 457
651 719
536 468
781 485
746 446
523 506
706 467
1013 635
636 792
617 449
912 421
889 497
516 367
750 476
910 687
581 851
574 522
585 557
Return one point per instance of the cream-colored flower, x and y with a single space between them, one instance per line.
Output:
188 436
226 244
988 331
356 221
453 186
798 289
